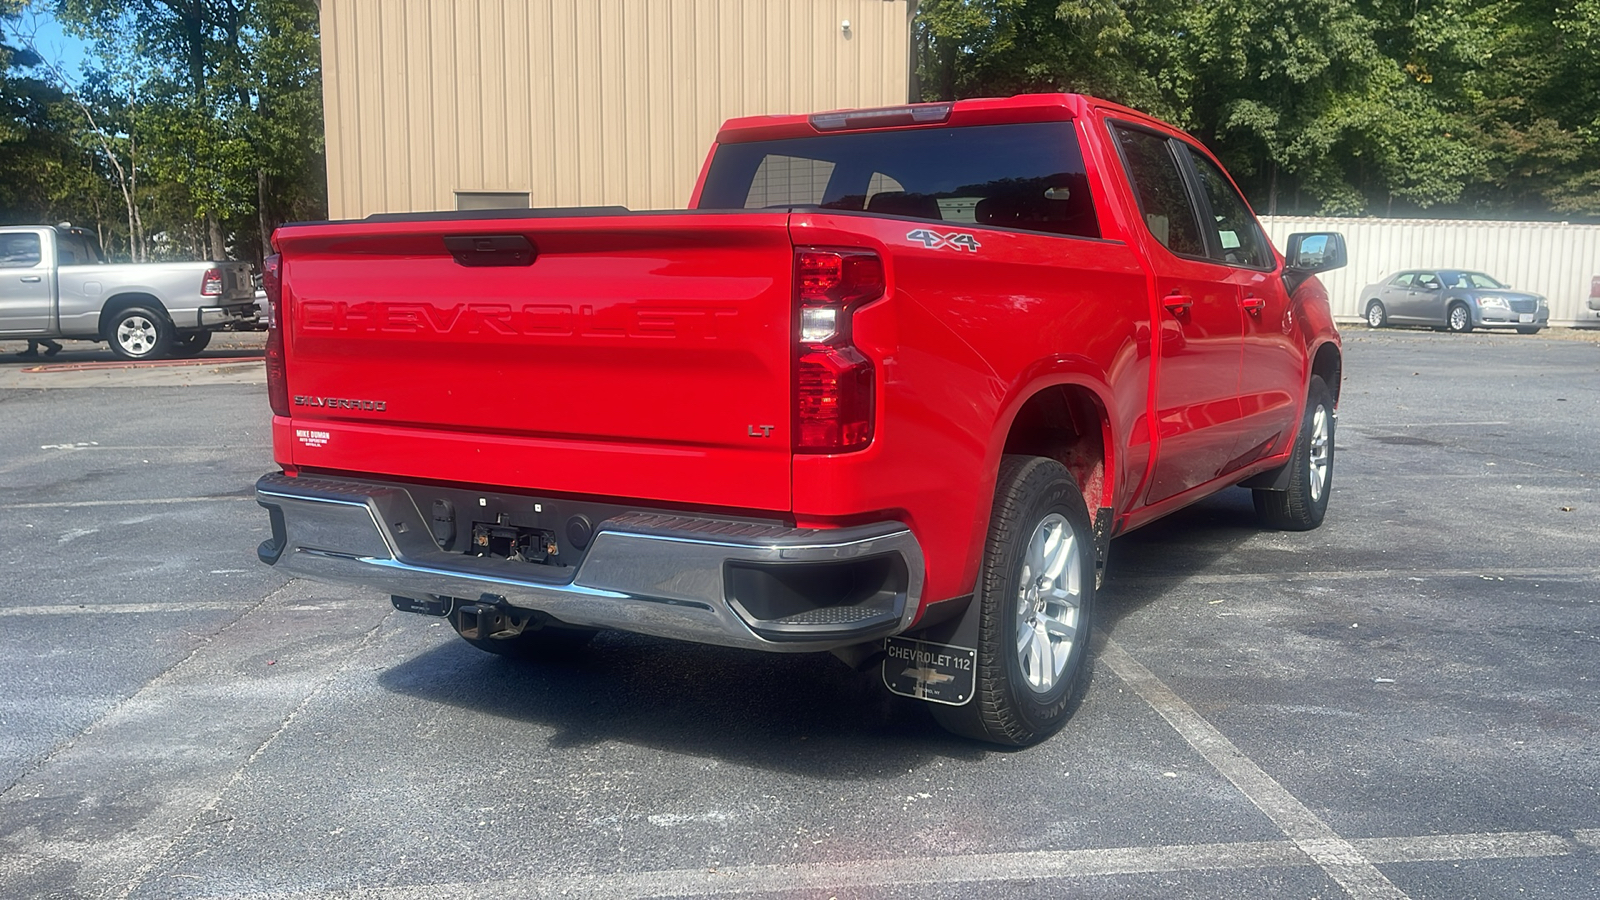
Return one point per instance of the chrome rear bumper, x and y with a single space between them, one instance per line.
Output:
651 573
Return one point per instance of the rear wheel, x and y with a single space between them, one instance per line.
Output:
139 333
1302 506
1377 316
1459 319
1036 597
190 344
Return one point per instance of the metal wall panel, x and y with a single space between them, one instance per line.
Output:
578 102
1549 258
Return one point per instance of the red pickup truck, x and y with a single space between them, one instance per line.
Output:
888 389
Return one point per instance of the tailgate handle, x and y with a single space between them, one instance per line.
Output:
490 249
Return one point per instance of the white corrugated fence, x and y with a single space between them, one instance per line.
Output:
1550 258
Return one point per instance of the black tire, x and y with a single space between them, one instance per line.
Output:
1014 704
1303 505
1529 329
1458 319
535 642
190 344
1377 316
140 333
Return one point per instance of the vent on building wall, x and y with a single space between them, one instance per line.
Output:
491 200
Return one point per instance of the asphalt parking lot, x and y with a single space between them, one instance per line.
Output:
1402 703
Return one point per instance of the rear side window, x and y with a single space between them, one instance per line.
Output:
20 251
1164 199
1028 176
1404 279
74 250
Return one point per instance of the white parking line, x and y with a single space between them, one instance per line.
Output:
116 609
969 869
1335 855
106 609
1366 425
1585 572
158 501
1451 847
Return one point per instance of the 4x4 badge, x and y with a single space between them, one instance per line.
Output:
933 240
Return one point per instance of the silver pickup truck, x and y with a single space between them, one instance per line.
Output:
54 283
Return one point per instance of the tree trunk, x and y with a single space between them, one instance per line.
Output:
261 215
219 249
1272 190
136 221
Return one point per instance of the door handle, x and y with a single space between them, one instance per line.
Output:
30 279
1253 305
1177 304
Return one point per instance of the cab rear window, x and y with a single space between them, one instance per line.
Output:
1027 176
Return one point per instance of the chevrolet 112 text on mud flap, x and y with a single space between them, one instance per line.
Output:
888 389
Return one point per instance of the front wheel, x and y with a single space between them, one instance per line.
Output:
139 333
1459 319
1035 596
1302 506
1377 316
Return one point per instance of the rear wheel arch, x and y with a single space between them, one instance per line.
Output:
1069 424
120 302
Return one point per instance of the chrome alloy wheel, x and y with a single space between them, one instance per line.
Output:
1459 318
1321 455
136 335
1375 316
1048 602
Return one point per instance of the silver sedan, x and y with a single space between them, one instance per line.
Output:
1453 300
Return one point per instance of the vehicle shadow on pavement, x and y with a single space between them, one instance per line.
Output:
804 714
1147 564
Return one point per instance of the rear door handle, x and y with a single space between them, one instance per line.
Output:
30 279
1177 304
1253 305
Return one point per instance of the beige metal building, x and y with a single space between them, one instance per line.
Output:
458 104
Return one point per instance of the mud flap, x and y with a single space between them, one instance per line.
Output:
938 673
1102 544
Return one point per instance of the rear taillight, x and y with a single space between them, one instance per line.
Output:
277 382
211 283
834 381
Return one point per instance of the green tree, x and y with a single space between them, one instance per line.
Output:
222 98
48 173
1481 107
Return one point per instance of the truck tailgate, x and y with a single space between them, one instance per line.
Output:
639 355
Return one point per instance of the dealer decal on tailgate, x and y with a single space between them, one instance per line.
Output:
939 673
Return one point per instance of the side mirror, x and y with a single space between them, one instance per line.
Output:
1313 252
